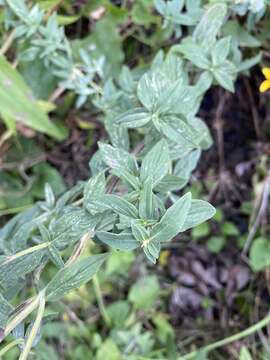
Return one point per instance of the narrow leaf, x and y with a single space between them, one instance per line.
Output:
73 276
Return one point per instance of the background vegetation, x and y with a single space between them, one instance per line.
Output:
77 75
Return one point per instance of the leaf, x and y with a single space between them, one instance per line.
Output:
245 354
15 267
115 203
150 88
156 163
146 202
181 132
121 241
108 350
173 220
118 313
171 183
260 254
38 78
55 256
208 28
73 276
186 164
249 63
139 232
96 185
118 159
104 41
71 226
194 53
16 102
128 178
5 310
134 118
225 75
221 50
199 212
144 293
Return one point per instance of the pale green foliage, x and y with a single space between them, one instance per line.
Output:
134 198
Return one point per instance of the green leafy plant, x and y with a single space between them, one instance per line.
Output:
135 197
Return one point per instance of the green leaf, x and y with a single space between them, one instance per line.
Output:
118 159
69 227
245 354
173 220
225 75
208 28
134 118
171 183
96 185
109 351
5 310
73 276
186 164
115 203
199 212
146 202
194 53
139 232
128 178
249 63
221 50
121 241
229 229
144 293
63 20
181 132
150 88
41 81
15 267
156 163
200 231
55 256
260 254
16 101
216 243
118 313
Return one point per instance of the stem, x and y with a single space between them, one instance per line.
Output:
8 42
21 316
35 328
10 346
15 210
250 330
100 301
25 252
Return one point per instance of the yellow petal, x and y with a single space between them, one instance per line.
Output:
266 72
163 258
265 85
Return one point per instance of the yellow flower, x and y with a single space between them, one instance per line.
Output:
164 256
265 85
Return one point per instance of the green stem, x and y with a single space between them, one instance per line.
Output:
10 346
34 331
18 318
26 252
15 210
252 329
100 301
8 42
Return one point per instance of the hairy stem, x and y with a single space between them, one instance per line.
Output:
35 328
100 301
